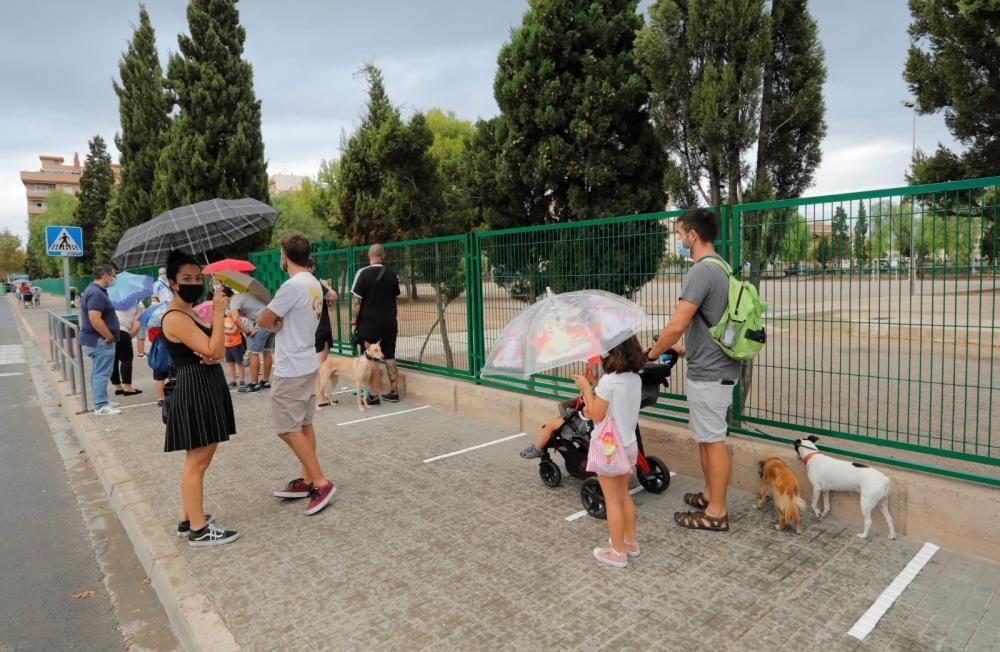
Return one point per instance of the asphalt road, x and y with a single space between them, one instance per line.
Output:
69 579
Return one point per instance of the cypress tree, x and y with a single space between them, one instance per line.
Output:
143 108
389 187
214 147
575 132
860 236
573 142
95 190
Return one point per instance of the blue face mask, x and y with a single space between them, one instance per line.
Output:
682 251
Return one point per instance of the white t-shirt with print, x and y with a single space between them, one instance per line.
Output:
623 392
298 303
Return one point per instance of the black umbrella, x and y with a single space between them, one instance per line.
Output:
197 228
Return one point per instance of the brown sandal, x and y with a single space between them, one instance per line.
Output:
698 500
702 521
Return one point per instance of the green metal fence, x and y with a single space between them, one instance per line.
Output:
883 309
883 317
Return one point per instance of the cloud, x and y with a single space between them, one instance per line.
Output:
849 167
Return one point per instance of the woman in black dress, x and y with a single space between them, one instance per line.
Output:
200 413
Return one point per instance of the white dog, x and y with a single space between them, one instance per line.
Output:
828 474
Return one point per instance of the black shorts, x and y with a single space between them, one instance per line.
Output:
386 339
235 353
323 340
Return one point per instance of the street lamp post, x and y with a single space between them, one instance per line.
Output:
913 156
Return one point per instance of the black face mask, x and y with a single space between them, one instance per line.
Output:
190 293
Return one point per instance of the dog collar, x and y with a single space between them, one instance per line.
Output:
805 460
370 358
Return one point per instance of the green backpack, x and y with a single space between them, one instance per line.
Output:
740 333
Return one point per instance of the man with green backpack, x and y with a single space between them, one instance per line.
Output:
720 318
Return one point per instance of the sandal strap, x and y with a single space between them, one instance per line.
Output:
702 521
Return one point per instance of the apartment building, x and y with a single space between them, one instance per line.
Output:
54 176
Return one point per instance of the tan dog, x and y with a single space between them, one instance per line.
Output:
776 476
363 369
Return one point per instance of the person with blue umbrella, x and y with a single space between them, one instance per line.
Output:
126 297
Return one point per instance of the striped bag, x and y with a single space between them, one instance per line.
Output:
607 454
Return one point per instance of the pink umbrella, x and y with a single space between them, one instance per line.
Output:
204 311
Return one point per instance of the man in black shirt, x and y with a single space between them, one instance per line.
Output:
375 289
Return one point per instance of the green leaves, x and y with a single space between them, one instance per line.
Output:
388 186
214 146
95 190
954 65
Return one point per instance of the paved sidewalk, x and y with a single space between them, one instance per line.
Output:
472 552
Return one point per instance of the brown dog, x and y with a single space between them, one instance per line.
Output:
776 476
363 369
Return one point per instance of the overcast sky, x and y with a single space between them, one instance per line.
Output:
56 67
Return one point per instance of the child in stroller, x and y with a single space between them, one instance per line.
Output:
569 433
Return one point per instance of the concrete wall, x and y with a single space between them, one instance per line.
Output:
954 514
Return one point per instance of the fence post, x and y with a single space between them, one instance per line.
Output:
735 256
474 304
83 377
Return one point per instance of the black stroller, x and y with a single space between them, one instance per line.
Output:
572 440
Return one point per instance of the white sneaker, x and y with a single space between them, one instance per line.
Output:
107 411
114 404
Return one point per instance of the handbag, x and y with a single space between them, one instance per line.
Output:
606 455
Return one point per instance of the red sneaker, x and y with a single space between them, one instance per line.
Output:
297 488
319 498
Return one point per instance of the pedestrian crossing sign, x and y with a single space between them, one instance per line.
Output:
64 240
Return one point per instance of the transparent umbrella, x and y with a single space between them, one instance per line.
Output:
561 329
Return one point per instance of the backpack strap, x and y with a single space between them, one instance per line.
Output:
726 268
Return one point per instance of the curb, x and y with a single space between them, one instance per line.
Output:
193 617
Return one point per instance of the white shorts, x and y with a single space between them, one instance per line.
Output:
708 402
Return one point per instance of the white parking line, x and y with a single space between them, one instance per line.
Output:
14 373
870 618
472 448
382 416
582 513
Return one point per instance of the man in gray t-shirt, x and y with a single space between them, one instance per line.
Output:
711 374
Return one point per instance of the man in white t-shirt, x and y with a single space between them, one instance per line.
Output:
294 314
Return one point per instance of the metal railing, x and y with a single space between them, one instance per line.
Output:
66 353
884 315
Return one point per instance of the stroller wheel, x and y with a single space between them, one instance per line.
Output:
658 478
550 473
593 498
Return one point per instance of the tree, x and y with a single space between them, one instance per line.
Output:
143 109
573 142
954 65
575 129
823 250
12 256
792 112
704 60
388 183
214 146
840 235
795 240
860 236
60 210
451 152
95 191
297 215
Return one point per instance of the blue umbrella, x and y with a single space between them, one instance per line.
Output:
152 316
129 289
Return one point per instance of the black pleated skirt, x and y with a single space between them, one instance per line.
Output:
200 410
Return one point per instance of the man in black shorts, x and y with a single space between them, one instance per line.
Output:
373 307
